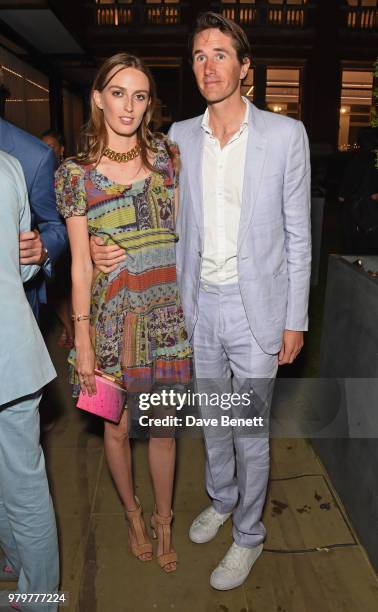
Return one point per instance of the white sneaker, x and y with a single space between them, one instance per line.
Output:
205 526
234 567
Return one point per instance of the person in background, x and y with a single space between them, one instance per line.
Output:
46 242
59 292
27 522
130 324
358 197
55 141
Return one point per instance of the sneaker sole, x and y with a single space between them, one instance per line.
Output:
229 588
201 541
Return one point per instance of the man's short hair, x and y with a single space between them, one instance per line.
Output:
209 20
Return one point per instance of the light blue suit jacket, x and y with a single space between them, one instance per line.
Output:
25 364
274 240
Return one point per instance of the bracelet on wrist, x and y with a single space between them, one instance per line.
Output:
80 317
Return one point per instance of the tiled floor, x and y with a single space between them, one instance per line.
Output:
311 561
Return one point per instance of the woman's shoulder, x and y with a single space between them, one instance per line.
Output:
71 167
168 157
70 189
164 144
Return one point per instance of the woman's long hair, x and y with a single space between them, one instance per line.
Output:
94 137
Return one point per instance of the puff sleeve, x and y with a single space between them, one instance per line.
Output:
71 198
174 153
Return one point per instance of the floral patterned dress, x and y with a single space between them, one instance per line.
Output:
137 323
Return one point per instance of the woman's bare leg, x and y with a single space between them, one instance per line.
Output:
118 456
162 457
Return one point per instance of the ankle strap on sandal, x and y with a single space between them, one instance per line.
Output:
163 520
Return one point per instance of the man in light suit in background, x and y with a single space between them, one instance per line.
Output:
27 521
47 241
243 265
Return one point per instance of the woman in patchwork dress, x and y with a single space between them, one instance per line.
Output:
128 323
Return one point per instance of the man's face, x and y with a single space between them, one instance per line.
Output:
216 66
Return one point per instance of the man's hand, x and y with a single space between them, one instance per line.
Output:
106 258
291 346
31 248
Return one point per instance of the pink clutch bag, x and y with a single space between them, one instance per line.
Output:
109 400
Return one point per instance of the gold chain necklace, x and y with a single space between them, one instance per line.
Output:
122 157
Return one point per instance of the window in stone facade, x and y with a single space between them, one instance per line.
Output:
283 91
355 106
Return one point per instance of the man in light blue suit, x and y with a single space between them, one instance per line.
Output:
243 263
27 522
48 240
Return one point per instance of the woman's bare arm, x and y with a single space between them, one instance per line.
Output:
81 272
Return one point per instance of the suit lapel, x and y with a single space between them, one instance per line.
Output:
253 169
195 146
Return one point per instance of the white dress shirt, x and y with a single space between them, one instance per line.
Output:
222 179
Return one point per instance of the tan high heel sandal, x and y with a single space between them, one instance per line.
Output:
136 524
168 555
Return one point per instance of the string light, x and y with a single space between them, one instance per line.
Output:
27 100
21 76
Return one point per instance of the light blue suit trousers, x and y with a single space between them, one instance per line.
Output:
237 458
27 522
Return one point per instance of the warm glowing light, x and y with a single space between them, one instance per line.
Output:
343 110
27 100
21 76
277 109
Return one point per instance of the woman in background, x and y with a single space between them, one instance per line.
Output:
128 323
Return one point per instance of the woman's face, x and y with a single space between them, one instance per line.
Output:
124 101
